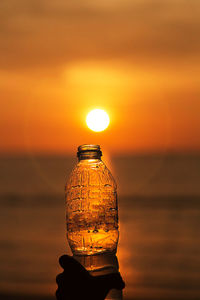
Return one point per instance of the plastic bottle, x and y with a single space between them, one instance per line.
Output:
92 214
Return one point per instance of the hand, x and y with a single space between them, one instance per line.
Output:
75 282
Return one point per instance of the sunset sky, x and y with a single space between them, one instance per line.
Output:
137 59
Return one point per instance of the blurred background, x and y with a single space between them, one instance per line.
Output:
139 60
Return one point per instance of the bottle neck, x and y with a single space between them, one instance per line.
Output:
89 152
89 155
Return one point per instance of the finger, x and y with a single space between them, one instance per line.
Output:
72 266
64 260
62 295
67 262
65 280
118 281
111 281
59 278
58 294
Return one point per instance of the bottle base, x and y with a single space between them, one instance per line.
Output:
102 264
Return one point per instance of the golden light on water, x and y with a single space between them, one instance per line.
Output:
97 120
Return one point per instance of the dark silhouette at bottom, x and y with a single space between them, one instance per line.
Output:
76 283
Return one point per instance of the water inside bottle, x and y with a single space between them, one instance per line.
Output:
91 209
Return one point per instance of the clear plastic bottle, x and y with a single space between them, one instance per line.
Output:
91 205
92 213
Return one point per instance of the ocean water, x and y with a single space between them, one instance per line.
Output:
159 210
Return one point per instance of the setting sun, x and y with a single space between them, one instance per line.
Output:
97 120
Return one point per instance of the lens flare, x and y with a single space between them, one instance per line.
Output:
97 120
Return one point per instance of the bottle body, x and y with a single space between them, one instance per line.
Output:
91 209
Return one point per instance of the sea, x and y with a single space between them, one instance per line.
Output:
159 214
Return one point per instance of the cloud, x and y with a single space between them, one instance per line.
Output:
43 33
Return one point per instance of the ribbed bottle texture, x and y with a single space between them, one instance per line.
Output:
92 214
91 209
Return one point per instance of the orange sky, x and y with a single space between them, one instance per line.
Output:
139 60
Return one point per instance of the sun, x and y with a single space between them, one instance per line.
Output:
97 120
